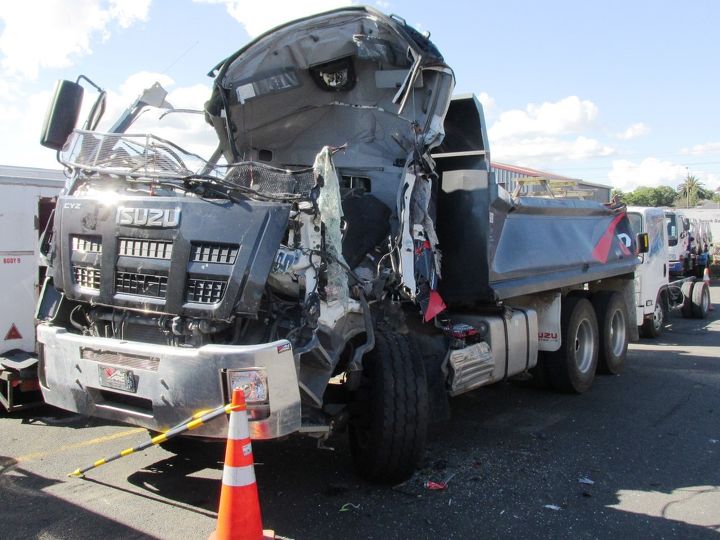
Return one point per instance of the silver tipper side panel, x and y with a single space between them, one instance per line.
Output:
170 383
511 342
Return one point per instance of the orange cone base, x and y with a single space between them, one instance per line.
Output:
268 534
239 513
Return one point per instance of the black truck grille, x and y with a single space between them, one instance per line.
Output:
141 284
148 249
213 253
205 291
87 277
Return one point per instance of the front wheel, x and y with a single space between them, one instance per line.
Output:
572 367
653 327
389 424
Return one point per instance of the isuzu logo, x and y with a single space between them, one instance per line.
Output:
148 217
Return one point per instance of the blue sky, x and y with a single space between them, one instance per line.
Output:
620 93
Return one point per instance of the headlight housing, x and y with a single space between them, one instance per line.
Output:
254 384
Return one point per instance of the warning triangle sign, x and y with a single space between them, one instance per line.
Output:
13 333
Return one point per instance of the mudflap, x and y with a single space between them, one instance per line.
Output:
19 385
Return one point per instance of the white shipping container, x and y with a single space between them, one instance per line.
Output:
27 196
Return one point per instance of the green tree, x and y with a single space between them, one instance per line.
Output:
705 194
650 196
666 196
688 191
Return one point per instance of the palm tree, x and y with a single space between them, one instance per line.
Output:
689 189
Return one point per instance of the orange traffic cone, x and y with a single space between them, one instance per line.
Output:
706 279
239 512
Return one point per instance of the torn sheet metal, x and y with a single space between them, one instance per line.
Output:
420 254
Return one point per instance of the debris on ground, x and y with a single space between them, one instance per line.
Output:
347 506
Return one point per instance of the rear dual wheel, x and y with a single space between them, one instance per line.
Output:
687 307
612 318
572 367
696 299
594 338
700 300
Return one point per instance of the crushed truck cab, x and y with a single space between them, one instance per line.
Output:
348 231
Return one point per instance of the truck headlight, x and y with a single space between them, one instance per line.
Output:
253 382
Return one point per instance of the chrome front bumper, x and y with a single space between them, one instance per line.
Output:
171 384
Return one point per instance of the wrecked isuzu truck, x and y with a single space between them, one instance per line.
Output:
345 256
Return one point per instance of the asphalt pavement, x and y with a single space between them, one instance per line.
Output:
636 457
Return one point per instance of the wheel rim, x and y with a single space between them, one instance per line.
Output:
617 333
584 346
658 317
705 300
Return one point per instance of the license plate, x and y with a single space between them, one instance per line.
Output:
117 378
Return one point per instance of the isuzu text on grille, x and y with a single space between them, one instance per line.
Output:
148 217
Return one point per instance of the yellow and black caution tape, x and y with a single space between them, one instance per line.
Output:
195 422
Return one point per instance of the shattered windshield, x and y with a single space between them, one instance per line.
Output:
148 157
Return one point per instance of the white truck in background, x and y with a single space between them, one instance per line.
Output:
27 198
656 294
689 241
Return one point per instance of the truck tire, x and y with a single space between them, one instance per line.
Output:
687 292
700 300
572 367
613 331
654 327
389 423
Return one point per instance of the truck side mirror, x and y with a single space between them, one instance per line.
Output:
642 241
62 115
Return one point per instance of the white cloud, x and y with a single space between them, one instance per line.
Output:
189 131
20 145
20 142
536 150
126 12
257 17
712 181
634 131
568 115
488 103
550 131
66 30
703 149
650 172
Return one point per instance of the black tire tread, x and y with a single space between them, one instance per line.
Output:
603 303
556 362
687 290
699 290
398 409
647 328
